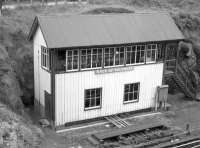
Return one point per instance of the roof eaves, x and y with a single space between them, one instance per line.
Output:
33 29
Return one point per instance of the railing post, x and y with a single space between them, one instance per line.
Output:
177 57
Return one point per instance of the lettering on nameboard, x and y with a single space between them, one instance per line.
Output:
112 70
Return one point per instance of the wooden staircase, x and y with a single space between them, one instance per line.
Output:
182 79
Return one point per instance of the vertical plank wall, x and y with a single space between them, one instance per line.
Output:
41 77
70 92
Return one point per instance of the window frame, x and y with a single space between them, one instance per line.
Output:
138 93
91 60
72 50
114 58
45 58
135 63
93 107
156 50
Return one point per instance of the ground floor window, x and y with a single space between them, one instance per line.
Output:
45 61
131 92
93 98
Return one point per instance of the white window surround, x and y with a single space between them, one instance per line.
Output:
92 98
151 51
133 51
72 57
45 62
114 59
131 92
92 55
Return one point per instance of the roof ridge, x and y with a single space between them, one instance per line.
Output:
102 14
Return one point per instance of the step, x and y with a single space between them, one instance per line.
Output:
114 122
117 121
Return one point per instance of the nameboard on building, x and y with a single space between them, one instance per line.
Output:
115 69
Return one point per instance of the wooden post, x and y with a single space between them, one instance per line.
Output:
177 58
53 84
164 61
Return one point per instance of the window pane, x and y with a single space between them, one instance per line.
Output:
75 52
99 60
142 56
93 93
112 56
94 60
126 97
131 88
89 60
69 63
133 57
128 57
106 57
69 53
121 58
153 55
94 51
117 55
92 102
128 49
126 88
98 101
135 95
153 46
87 103
75 62
87 94
136 86
83 52
83 62
98 92
130 96
138 56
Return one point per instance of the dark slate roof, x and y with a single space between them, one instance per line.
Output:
105 29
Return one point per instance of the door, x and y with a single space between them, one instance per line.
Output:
48 106
171 55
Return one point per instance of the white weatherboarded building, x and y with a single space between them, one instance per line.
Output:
91 66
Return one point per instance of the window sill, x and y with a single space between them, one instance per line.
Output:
45 68
92 108
132 101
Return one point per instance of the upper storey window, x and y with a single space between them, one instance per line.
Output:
91 58
135 54
45 58
151 53
114 56
72 61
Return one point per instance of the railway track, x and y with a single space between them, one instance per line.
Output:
191 143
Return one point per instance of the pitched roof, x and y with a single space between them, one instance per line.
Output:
107 29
